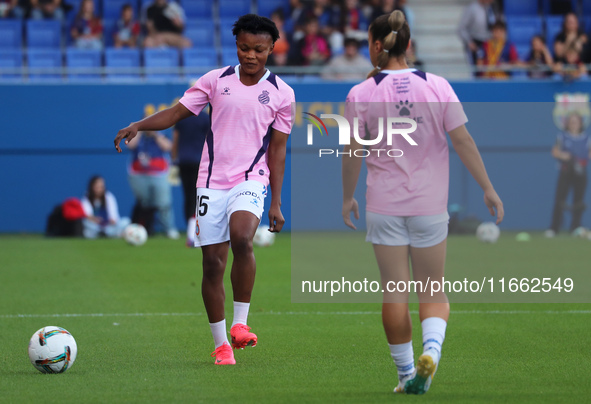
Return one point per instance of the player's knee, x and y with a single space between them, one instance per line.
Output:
241 244
213 266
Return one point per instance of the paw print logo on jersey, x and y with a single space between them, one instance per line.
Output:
404 108
264 97
226 91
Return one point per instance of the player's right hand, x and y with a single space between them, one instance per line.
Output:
349 206
493 201
126 133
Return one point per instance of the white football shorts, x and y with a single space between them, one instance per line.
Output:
215 206
416 231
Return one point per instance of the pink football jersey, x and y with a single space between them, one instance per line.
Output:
411 180
241 121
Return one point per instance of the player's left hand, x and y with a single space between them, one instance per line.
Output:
276 219
493 202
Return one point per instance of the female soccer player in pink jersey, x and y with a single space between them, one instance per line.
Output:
407 190
251 118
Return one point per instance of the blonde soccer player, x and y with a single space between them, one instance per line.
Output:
407 190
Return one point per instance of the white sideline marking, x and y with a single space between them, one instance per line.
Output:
285 313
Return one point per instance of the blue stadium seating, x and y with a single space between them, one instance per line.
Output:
523 51
109 27
200 32
83 59
226 37
198 8
122 58
229 56
44 34
266 7
521 7
522 29
11 34
200 58
111 9
586 8
155 59
233 8
44 58
586 24
10 59
553 27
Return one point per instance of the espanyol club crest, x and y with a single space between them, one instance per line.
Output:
264 97
566 104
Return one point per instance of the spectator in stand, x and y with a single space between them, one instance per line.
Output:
87 29
474 27
312 49
11 9
127 30
102 213
327 18
540 59
384 7
571 36
411 56
281 48
572 68
165 24
47 10
497 51
350 66
353 22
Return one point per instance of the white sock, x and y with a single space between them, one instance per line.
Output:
191 227
220 335
433 335
403 358
240 313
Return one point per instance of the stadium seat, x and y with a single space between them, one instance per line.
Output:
266 7
44 59
122 58
83 59
44 34
229 56
160 63
227 38
233 8
521 7
111 9
193 58
109 27
586 10
11 34
198 8
522 29
586 24
10 59
553 28
200 32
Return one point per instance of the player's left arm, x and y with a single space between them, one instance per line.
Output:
276 161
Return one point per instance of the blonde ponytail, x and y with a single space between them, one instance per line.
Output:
396 20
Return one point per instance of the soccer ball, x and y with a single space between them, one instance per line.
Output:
52 350
488 232
135 234
263 237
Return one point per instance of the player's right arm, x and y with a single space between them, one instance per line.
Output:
350 171
466 148
159 121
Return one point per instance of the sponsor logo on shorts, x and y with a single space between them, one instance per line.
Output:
255 202
197 230
249 193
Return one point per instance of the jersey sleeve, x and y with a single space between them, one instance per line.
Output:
454 115
285 115
198 96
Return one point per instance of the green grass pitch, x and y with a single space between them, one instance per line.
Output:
142 333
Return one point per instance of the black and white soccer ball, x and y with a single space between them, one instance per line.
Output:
52 350
135 234
488 232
